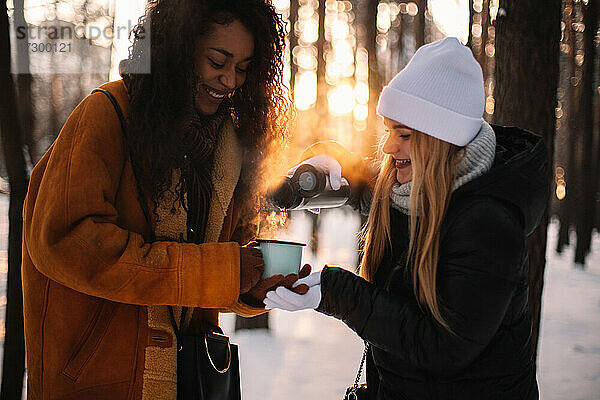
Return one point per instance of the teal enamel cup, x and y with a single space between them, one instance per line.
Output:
280 257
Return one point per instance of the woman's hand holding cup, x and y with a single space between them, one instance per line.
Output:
252 268
259 292
291 300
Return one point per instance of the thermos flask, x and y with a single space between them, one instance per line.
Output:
309 188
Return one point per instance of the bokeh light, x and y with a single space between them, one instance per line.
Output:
341 99
305 93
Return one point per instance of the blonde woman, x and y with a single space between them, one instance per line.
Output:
441 300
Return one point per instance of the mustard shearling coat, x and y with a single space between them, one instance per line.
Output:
94 287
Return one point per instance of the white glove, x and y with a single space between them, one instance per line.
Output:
310 280
285 299
326 163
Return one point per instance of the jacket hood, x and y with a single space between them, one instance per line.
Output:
518 177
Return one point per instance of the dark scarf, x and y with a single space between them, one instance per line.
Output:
200 138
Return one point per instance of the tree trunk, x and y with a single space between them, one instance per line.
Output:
481 56
471 14
13 363
314 241
597 157
575 123
566 205
564 225
399 51
586 115
375 83
367 26
258 322
478 44
322 106
293 42
527 72
23 82
420 23
565 209
321 41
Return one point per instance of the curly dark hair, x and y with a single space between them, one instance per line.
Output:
159 101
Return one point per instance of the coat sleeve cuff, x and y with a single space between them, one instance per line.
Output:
210 274
245 310
327 304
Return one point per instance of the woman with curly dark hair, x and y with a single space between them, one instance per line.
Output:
133 227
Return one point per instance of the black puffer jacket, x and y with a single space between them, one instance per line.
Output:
482 284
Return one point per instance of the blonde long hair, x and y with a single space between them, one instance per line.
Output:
433 173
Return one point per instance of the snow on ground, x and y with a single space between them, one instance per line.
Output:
309 355
569 352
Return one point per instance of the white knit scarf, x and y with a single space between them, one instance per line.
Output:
478 159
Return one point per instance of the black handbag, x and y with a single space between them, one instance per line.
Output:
208 366
358 391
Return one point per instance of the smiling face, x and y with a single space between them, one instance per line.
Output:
397 145
221 64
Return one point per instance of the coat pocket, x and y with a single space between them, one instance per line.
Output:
90 340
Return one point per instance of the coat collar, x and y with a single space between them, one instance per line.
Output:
225 176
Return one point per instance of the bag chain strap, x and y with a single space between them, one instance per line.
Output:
352 394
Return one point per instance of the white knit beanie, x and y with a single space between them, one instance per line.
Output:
439 92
